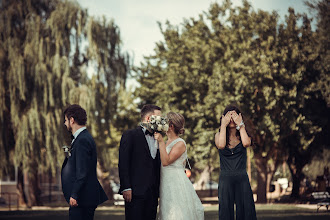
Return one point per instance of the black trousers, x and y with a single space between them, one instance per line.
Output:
234 188
142 207
81 213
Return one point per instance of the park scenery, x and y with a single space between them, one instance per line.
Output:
276 69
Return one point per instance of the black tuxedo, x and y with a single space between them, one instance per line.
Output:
139 172
78 175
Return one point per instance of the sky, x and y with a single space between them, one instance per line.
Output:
137 19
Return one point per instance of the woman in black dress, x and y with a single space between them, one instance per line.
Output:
234 186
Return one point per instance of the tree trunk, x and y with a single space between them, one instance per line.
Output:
22 201
297 177
296 162
271 169
261 163
34 188
103 176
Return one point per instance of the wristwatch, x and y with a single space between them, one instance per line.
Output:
240 125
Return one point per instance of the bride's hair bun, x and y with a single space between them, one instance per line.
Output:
177 120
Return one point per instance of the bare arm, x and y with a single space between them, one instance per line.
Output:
220 137
246 140
177 150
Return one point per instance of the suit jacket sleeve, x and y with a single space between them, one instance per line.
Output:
83 164
125 152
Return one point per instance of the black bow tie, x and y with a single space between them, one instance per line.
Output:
148 133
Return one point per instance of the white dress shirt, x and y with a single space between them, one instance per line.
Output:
151 143
75 135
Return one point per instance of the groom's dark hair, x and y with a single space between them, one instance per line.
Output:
146 109
76 112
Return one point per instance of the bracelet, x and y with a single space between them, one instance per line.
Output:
238 127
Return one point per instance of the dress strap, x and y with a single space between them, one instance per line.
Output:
177 140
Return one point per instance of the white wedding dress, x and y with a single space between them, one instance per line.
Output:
178 198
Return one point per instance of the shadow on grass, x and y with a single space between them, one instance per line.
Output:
264 212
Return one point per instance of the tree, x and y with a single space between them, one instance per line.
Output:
308 133
43 69
245 57
35 81
108 82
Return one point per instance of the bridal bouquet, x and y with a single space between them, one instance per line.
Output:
157 124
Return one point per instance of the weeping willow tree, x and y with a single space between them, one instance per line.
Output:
111 70
37 40
43 69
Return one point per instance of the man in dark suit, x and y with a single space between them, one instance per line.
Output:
139 169
80 186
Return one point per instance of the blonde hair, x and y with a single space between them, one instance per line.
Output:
177 120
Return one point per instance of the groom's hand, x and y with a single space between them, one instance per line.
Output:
73 202
127 195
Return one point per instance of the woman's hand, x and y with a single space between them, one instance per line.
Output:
158 137
237 118
225 120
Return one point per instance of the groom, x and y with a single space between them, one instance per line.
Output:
139 169
80 186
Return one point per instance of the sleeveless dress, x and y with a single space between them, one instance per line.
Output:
178 198
234 185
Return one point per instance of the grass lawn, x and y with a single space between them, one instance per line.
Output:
264 212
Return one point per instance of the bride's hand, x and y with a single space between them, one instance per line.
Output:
158 137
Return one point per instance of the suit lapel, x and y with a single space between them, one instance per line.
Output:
79 135
143 140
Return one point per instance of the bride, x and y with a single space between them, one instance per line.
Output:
178 199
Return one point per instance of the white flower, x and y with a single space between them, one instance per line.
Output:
67 150
158 118
160 127
166 127
152 127
152 118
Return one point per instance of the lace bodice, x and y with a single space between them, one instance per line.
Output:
181 161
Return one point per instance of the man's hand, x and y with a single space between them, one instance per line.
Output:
73 202
127 195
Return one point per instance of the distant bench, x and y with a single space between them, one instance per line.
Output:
322 198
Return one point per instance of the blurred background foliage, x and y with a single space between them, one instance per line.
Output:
52 53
